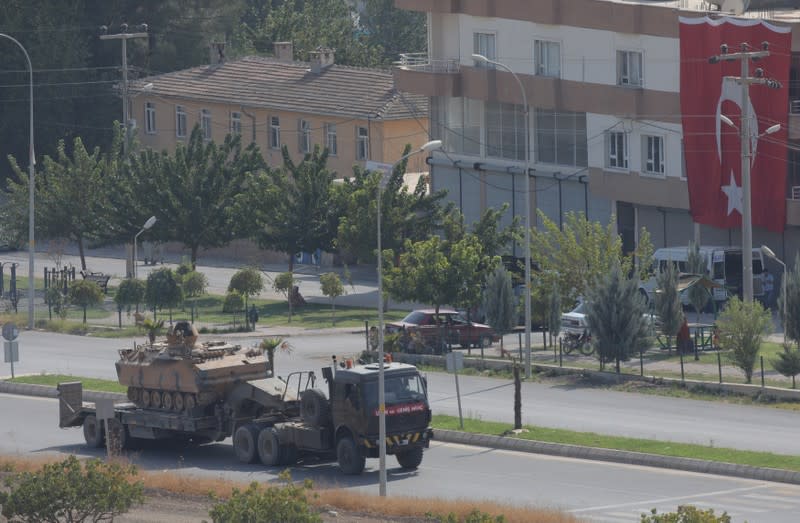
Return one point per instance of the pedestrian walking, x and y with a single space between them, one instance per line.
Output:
253 316
768 285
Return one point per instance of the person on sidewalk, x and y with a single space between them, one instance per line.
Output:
768 284
684 338
253 316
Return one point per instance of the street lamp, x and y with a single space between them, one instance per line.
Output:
149 223
482 59
31 163
387 170
771 254
747 220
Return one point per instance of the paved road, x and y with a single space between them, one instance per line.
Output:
598 491
546 404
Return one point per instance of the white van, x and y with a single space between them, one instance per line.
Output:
724 266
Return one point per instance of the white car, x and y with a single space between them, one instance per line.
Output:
573 323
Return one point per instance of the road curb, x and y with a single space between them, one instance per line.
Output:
519 445
618 456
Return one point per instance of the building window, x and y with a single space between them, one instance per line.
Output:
547 57
629 68
150 118
505 131
274 132
362 143
458 123
653 154
304 136
561 138
236 122
180 121
205 123
617 149
330 138
484 44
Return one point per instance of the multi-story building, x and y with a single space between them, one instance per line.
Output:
602 79
355 112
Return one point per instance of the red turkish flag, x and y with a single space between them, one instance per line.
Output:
711 148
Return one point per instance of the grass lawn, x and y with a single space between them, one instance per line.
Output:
88 383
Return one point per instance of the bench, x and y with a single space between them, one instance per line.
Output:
99 278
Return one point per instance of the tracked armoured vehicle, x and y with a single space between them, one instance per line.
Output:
180 374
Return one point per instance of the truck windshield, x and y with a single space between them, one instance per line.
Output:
398 389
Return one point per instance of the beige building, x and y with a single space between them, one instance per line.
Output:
355 112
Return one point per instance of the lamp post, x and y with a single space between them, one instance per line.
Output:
771 254
747 220
149 223
482 59
387 170
31 164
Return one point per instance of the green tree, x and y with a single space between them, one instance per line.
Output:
194 285
697 263
72 490
498 301
57 301
284 283
69 202
554 312
792 312
193 189
290 210
788 363
233 303
615 316
163 290
686 514
392 30
405 215
581 253
130 292
288 502
668 302
85 294
248 282
742 327
332 287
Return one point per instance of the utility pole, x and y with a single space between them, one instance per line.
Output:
124 36
745 55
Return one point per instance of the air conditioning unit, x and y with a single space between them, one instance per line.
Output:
796 192
734 7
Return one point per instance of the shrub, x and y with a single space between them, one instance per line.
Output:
742 326
474 516
686 514
72 491
279 503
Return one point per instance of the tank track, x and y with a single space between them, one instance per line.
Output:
166 400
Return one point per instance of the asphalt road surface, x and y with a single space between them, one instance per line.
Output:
595 490
546 404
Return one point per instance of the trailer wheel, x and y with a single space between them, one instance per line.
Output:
314 407
118 436
244 443
269 447
93 432
410 459
351 461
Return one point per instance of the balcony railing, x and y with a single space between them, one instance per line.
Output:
794 106
421 62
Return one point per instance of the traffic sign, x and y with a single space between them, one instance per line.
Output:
10 331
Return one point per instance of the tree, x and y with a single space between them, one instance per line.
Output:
742 327
581 253
247 282
69 203
290 209
498 301
194 189
85 294
554 312
668 303
332 287
284 283
792 312
697 263
788 363
282 503
615 316
194 285
233 303
163 290
392 30
57 301
130 292
72 490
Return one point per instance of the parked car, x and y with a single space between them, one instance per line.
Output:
575 328
451 325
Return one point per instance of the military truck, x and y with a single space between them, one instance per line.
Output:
278 420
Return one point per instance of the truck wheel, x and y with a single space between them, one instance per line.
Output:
410 459
351 461
118 436
93 432
245 442
314 407
269 447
